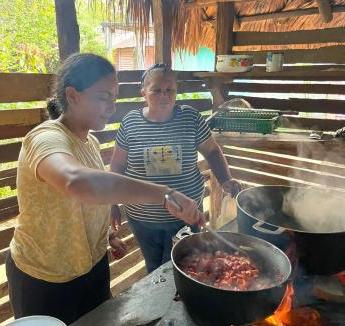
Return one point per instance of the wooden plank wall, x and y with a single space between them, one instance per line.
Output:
14 124
312 83
317 93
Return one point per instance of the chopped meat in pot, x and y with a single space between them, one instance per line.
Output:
222 270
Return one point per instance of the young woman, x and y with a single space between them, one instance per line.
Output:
159 144
58 264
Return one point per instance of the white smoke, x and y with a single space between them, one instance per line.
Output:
316 210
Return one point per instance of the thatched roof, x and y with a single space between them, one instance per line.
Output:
194 26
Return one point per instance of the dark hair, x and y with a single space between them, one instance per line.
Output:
158 67
81 71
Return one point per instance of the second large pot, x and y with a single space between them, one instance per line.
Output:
320 245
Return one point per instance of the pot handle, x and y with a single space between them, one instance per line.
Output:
258 226
184 232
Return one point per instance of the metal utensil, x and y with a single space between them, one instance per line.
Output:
239 249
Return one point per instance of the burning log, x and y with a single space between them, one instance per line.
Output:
287 315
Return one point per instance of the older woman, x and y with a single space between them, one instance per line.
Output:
159 144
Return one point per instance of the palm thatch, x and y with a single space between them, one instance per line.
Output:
194 26
199 27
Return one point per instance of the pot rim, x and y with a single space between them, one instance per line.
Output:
275 225
275 249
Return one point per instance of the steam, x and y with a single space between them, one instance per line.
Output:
317 211
322 208
304 209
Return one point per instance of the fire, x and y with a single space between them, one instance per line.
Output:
286 315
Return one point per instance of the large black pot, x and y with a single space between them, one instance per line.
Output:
320 247
210 306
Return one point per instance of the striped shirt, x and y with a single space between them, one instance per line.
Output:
164 153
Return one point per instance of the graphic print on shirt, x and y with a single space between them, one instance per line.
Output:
163 160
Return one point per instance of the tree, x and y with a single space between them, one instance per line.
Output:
28 35
67 26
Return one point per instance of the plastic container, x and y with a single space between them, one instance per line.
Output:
257 121
234 63
37 321
274 62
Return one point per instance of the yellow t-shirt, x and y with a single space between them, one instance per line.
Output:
57 238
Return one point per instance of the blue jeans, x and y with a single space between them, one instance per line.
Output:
155 240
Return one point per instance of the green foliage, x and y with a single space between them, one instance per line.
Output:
89 20
193 96
7 192
28 36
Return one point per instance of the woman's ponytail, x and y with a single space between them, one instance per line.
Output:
53 108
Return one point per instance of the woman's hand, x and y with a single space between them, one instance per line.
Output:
232 187
183 208
115 217
118 247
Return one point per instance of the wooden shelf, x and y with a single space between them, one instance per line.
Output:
295 73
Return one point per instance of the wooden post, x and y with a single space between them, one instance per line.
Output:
67 28
325 10
224 42
225 23
162 20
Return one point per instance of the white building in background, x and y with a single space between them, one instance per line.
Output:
125 49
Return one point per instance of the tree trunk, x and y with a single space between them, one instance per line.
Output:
67 28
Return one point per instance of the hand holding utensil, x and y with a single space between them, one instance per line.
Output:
182 207
203 226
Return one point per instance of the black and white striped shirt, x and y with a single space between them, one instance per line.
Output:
164 153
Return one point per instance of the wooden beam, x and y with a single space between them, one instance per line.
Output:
122 108
6 237
312 123
23 117
225 22
131 90
67 28
9 152
5 311
23 87
125 280
294 161
297 104
131 259
162 19
8 213
286 170
10 131
284 88
326 35
326 54
3 289
297 145
286 14
104 136
134 76
206 3
293 73
325 10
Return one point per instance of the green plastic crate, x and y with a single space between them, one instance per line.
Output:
258 121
